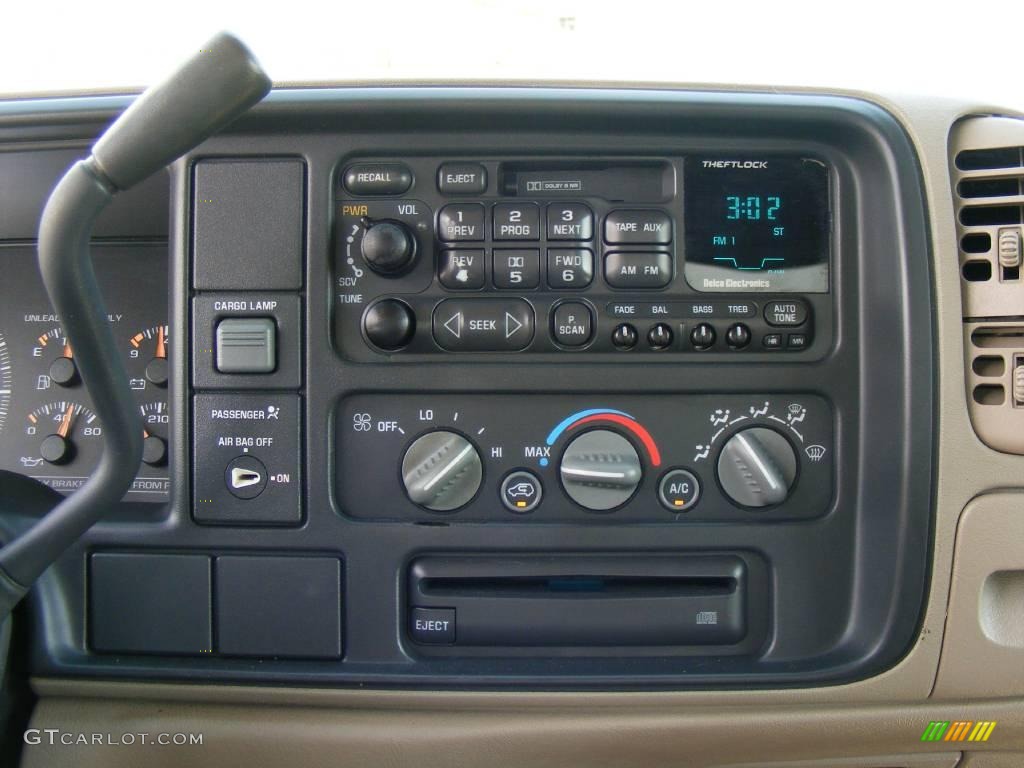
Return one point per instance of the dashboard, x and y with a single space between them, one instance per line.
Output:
488 390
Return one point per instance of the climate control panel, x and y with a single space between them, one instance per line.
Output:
552 458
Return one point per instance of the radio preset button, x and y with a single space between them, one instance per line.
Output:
572 324
785 313
637 227
570 221
483 325
516 267
377 178
462 270
516 221
638 270
461 222
570 267
462 179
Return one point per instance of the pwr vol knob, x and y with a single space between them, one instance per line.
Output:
442 471
389 248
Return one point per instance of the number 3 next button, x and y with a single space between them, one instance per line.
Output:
433 626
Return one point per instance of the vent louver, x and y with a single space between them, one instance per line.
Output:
987 169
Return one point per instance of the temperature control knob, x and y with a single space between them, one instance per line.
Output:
388 247
600 470
757 467
442 471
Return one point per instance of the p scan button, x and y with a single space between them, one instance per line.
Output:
483 325
432 626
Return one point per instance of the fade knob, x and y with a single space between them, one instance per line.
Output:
600 470
442 471
388 247
757 467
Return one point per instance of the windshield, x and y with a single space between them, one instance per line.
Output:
885 47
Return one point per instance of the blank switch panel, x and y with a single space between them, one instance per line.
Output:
248 224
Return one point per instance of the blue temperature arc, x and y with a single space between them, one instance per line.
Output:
564 424
764 263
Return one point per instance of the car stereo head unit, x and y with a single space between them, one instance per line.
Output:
606 256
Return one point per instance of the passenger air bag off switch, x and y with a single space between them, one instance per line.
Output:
246 345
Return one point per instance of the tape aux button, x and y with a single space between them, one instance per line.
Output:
483 325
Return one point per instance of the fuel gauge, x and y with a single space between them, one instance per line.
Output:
54 350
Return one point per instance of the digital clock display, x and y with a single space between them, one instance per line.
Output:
757 224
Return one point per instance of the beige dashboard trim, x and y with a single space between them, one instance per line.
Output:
446 730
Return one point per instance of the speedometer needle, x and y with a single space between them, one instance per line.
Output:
65 423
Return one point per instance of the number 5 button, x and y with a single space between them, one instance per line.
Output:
570 221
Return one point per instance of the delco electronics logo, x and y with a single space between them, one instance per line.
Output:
958 730
741 164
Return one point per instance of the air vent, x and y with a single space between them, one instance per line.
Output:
987 170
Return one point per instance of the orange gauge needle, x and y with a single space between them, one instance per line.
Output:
65 423
161 343
67 352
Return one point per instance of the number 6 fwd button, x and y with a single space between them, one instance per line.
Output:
483 325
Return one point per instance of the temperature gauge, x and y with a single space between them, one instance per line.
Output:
155 420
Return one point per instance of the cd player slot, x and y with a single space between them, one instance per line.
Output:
578 601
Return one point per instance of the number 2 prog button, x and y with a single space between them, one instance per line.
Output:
432 626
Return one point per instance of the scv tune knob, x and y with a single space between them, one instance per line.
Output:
600 470
441 471
757 467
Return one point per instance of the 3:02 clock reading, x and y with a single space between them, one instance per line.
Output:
752 208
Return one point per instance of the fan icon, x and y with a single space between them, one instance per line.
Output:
361 422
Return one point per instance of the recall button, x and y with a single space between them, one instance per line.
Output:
483 325
377 178
638 270
785 313
637 227
462 179
432 626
